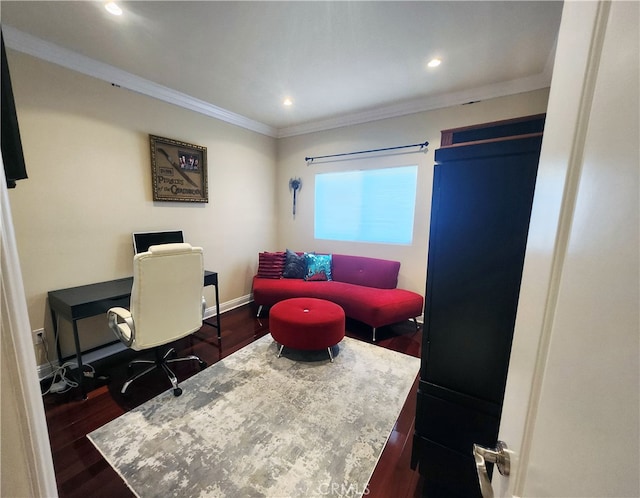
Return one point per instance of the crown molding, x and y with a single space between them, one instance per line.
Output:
36 47
494 90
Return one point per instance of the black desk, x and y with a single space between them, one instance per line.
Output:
76 303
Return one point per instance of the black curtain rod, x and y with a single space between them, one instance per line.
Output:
422 146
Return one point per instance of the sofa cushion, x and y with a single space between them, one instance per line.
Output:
370 305
370 272
373 306
268 292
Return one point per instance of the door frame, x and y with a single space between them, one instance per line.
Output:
29 461
576 70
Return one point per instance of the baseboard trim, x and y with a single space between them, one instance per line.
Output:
228 305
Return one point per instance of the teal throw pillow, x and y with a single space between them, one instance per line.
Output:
318 266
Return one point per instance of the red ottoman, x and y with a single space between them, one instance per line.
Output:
306 323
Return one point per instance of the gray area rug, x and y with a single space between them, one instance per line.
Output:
254 425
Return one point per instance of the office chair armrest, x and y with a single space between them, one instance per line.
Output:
124 330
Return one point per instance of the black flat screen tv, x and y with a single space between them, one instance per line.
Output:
11 144
142 241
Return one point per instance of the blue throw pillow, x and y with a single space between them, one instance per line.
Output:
318 266
294 266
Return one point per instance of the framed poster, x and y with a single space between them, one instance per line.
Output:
178 170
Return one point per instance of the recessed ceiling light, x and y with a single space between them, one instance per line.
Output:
434 63
287 102
112 8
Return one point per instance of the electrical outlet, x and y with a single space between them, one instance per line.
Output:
38 336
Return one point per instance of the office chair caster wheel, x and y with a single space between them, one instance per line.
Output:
203 365
177 392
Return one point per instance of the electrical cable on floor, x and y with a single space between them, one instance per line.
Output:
60 383
46 353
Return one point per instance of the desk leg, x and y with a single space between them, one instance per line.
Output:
217 324
54 322
76 340
218 312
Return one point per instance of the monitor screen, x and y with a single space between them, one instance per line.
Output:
142 241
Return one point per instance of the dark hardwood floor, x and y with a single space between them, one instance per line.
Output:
80 469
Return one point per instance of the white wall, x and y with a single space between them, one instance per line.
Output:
297 234
87 153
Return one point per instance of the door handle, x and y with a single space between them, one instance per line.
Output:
499 456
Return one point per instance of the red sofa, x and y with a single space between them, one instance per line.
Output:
364 287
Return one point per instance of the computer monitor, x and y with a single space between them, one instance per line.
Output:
142 241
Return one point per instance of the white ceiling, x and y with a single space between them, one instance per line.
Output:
339 61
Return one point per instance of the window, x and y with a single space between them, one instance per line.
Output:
367 205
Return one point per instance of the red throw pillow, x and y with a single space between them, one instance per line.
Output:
270 264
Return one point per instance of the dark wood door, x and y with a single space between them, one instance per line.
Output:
482 196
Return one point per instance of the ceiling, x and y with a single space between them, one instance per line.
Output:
339 61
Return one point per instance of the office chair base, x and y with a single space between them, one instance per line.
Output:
161 362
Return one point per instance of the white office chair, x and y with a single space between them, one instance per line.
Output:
166 305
